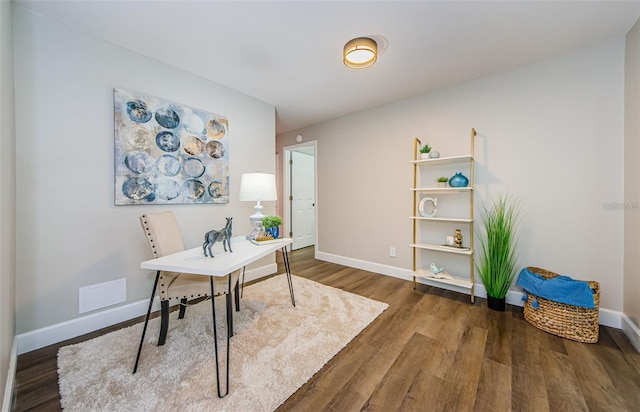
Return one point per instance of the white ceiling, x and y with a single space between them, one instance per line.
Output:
289 53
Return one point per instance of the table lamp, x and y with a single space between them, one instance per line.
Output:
257 187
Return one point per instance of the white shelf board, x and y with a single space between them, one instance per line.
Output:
442 189
455 282
440 248
443 160
442 219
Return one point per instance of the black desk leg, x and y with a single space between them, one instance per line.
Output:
242 287
230 310
236 295
215 337
285 258
146 321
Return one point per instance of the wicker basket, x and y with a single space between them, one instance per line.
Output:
571 322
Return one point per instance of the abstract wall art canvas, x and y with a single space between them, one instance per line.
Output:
168 153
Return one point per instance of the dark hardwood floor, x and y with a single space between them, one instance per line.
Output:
431 350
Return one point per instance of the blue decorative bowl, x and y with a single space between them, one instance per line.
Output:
458 180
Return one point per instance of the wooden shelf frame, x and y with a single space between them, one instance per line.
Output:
417 246
442 189
444 249
443 219
462 283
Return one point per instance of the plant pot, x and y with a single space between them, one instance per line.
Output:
274 231
442 184
424 155
496 303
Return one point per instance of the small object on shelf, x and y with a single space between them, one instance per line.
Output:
450 241
457 239
435 269
424 151
442 181
458 180
430 211
434 154
223 235
429 274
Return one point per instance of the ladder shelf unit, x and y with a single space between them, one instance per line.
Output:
423 226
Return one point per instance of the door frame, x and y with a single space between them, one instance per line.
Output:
286 189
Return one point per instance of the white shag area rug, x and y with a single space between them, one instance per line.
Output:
276 348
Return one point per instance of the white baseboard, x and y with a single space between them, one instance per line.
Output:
26 342
611 318
7 401
39 338
396 272
632 332
260 272
607 317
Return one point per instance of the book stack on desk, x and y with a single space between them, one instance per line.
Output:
266 240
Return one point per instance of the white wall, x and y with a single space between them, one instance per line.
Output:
551 133
70 234
632 183
7 195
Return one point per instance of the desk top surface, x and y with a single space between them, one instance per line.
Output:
193 260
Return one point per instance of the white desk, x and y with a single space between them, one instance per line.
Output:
223 263
193 260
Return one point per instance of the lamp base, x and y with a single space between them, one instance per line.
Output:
254 234
256 222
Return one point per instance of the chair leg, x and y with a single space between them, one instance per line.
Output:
164 321
183 308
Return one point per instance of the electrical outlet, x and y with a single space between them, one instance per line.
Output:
392 251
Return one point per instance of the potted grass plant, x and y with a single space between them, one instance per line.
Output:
498 242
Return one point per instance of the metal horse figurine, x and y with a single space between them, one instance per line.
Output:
223 235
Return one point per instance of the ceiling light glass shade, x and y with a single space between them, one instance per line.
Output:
360 53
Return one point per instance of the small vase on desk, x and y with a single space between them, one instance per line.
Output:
273 231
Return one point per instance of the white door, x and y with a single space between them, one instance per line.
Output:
303 216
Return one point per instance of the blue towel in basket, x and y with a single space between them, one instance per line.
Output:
561 289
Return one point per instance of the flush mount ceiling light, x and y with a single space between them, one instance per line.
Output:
360 53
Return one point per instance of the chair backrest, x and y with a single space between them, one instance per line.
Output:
162 233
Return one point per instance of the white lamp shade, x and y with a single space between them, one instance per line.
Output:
258 187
